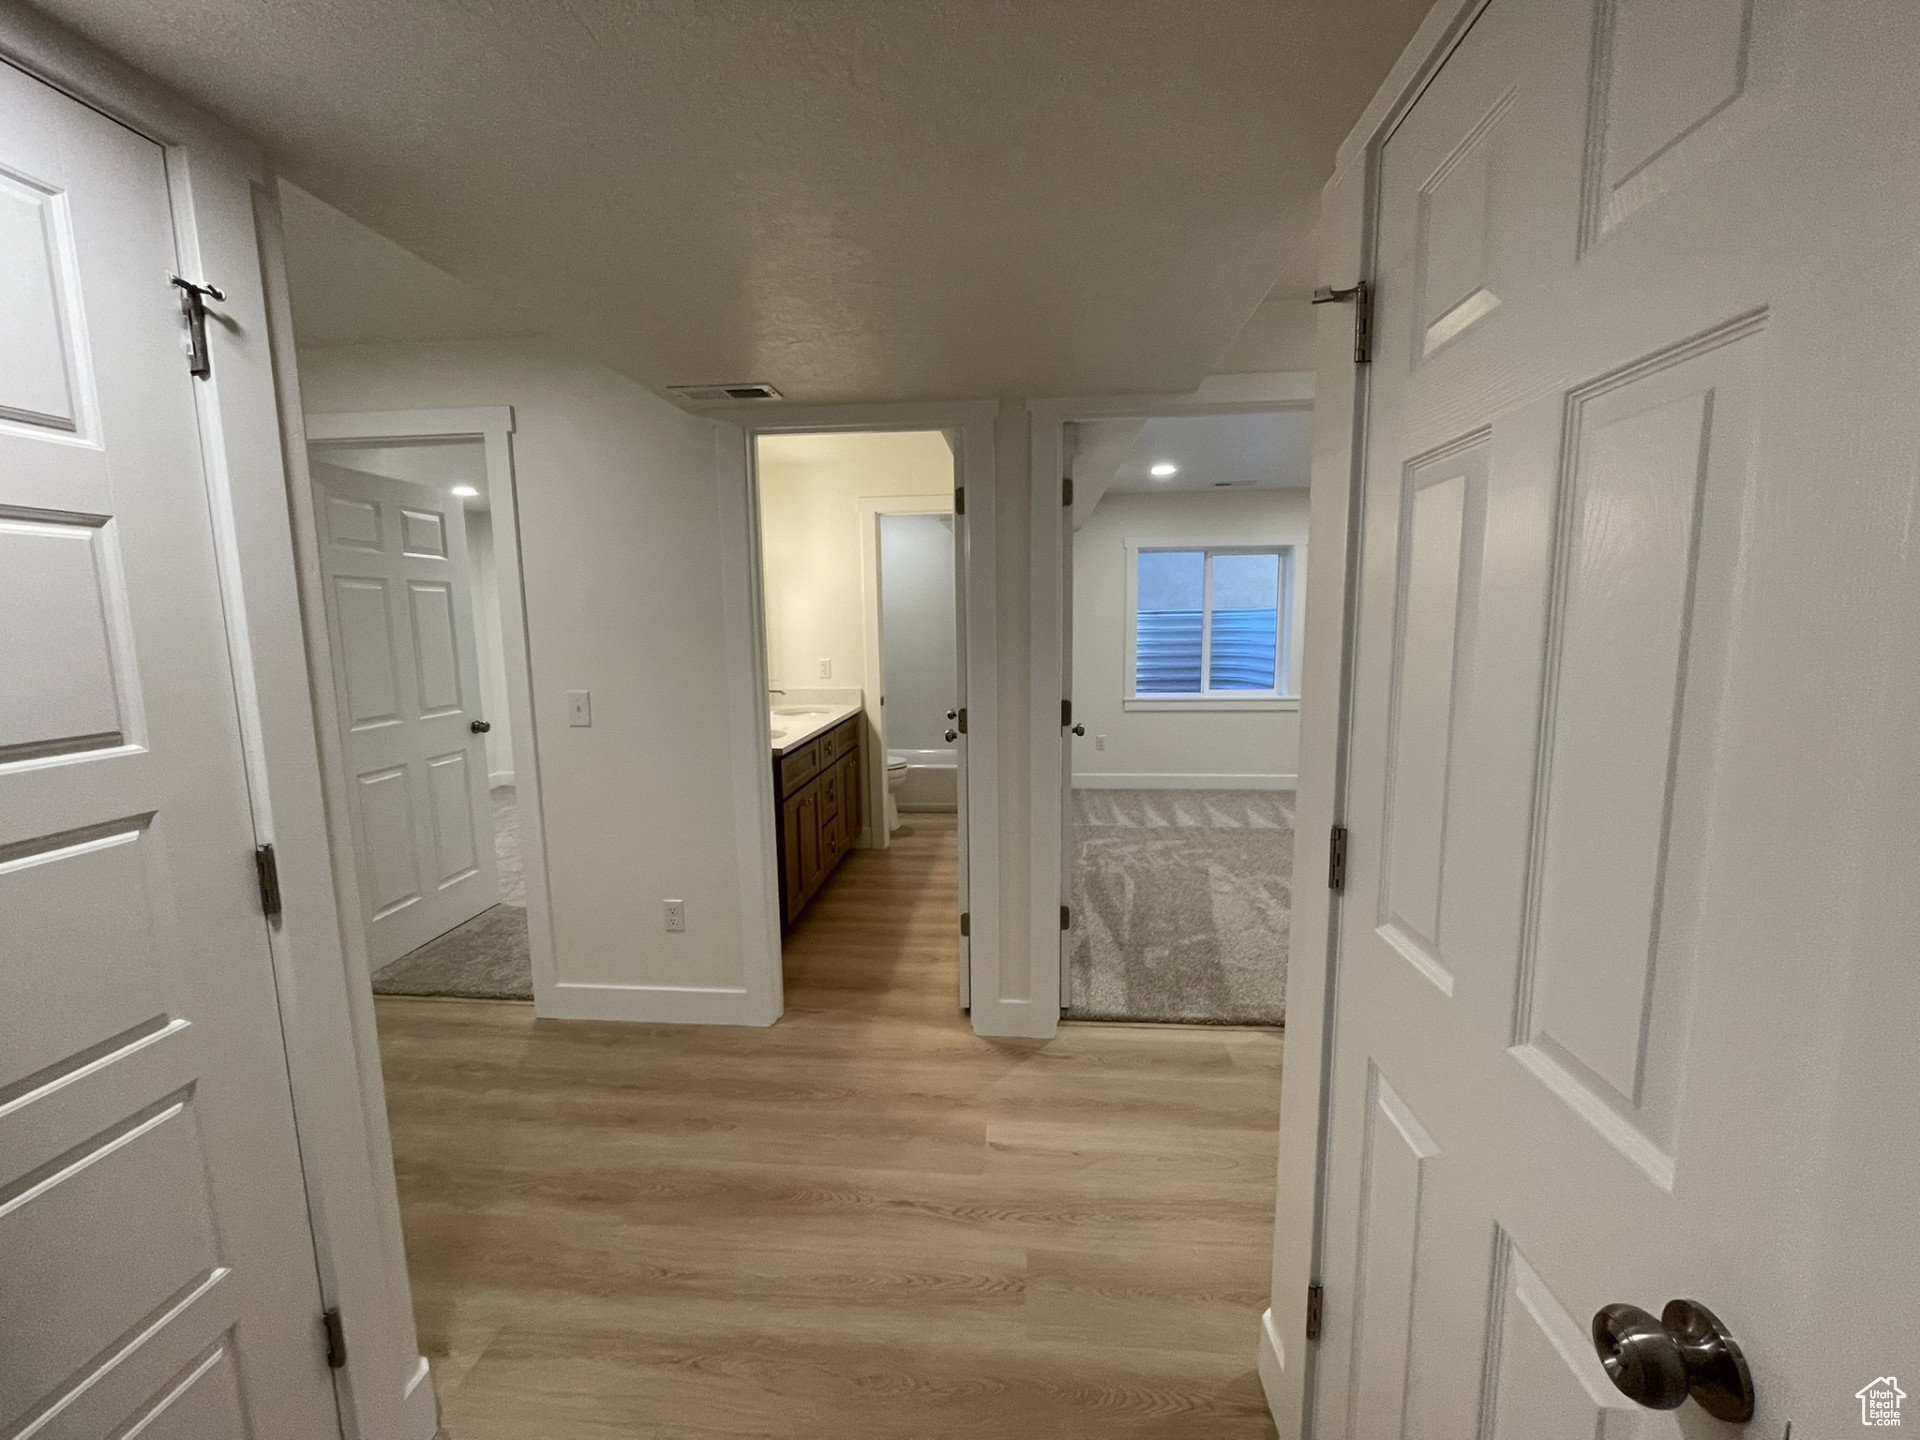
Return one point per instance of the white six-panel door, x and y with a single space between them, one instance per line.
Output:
393 558
1637 445
157 1269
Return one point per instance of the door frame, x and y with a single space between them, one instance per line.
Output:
1049 680
227 230
492 425
1349 207
972 426
874 669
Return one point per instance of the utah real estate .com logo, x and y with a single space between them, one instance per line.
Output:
1880 1401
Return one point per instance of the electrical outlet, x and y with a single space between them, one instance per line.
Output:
676 912
1099 742
826 668
579 707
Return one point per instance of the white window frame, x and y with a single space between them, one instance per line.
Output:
1285 695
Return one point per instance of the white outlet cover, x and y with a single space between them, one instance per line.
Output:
826 668
675 912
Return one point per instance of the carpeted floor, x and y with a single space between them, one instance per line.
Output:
1182 905
486 958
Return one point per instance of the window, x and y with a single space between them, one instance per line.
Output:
1210 624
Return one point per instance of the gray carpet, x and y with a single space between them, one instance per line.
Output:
487 957
1182 905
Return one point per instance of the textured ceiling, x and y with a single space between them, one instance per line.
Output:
1272 450
848 198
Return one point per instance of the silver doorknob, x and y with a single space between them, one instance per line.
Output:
1687 1351
481 727
952 735
1079 729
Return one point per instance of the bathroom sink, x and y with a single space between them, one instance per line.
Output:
797 710
779 734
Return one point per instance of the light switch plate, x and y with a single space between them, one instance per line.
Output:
579 707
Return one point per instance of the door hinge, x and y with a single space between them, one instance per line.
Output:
336 1340
961 723
1066 713
267 870
1361 294
959 499
966 922
1066 917
1314 1302
193 305
1337 859
1066 490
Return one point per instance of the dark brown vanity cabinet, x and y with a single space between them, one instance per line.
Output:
819 788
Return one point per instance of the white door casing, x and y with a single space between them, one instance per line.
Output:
393 560
156 1262
1631 782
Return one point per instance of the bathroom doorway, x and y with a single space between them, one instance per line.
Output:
861 538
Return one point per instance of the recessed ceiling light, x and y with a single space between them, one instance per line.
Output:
464 491
1164 469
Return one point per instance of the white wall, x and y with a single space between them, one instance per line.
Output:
1175 748
917 628
811 487
620 534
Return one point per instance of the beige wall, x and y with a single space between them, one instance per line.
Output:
620 532
810 492
1175 748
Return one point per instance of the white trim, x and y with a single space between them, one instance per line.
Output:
873 824
972 425
658 1004
1123 780
497 778
1225 700
1346 229
1048 683
227 229
492 425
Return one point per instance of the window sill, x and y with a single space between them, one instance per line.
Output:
1209 702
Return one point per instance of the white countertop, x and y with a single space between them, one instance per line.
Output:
792 730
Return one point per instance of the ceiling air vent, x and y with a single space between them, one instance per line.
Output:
723 394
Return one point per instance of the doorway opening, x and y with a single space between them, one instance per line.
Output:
861 580
419 562
1186 575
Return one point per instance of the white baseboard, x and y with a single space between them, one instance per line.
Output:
1273 1364
1117 781
420 1408
498 778
658 1004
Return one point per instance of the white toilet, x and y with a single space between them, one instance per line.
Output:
896 777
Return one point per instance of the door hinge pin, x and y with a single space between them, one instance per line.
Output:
336 1340
1066 917
959 499
1337 859
1314 1302
1066 713
966 922
193 305
962 724
1066 491
266 870
1361 294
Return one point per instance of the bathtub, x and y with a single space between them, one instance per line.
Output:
932 781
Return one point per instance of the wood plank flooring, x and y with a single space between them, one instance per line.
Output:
864 1223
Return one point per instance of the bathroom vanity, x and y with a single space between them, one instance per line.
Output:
816 777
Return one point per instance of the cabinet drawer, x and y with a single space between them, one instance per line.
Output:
799 766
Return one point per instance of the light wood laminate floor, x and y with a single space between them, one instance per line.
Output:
864 1223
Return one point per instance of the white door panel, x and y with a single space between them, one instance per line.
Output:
407 683
153 1221
1602 530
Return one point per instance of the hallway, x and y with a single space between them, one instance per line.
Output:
865 1222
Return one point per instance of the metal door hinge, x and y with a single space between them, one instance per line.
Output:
1314 1302
1066 713
1066 490
966 922
959 499
193 305
267 870
1361 294
1066 917
961 723
1337 859
336 1340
